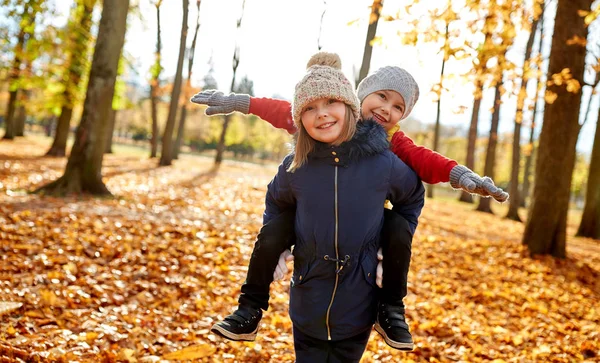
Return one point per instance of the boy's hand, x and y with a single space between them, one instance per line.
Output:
464 178
219 104
379 274
281 269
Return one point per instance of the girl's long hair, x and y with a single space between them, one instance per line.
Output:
305 143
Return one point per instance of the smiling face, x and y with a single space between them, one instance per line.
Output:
386 107
324 119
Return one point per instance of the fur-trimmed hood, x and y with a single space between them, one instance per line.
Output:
370 139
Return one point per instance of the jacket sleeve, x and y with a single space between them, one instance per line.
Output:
407 193
431 167
276 112
279 193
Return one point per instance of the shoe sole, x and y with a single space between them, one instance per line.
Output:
407 347
249 337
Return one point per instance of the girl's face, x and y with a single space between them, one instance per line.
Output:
324 119
386 107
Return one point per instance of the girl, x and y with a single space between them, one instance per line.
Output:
337 179
387 96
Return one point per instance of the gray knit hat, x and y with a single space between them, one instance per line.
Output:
323 79
391 78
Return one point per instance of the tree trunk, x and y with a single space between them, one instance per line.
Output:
112 117
545 231
21 115
14 74
590 220
371 31
481 70
221 144
84 167
472 140
59 146
490 156
166 155
154 137
76 60
155 85
514 203
436 132
236 63
321 25
188 86
180 131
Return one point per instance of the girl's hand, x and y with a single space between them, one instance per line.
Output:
281 269
379 274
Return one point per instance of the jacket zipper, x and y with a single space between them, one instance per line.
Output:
337 264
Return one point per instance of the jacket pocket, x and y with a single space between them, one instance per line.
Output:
369 266
302 267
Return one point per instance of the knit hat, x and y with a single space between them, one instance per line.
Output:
323 79
391 78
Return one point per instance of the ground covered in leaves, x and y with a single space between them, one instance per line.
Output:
141 277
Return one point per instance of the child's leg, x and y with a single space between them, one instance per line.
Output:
309 349
350 349
396 245
272 240
396 242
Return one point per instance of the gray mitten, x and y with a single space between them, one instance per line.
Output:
219 104
464 178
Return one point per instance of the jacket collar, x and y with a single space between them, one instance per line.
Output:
370 139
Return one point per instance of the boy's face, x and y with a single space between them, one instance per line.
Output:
324 119
386 107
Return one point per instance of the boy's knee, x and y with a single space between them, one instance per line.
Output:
396 231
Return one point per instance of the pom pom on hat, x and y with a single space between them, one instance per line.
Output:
325 59
324 79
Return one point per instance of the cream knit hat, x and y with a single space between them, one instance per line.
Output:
391 78
323 79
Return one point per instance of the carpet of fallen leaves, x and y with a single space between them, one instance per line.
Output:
141 277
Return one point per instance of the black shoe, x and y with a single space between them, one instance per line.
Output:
241 325
392 326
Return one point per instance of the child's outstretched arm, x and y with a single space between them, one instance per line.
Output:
276 112
434 168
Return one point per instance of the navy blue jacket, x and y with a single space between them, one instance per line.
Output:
339 196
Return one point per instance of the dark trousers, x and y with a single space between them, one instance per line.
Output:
312 350
396 245
278 235
274 238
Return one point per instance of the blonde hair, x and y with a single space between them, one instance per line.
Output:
305 143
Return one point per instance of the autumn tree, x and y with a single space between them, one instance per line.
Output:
83 172
188 86
479 72
442 20
590 220
236 63
371 31
119 102
545 231
155 71
76 47
505 32
27 19
514 203
166 154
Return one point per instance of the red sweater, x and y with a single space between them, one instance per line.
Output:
430 166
